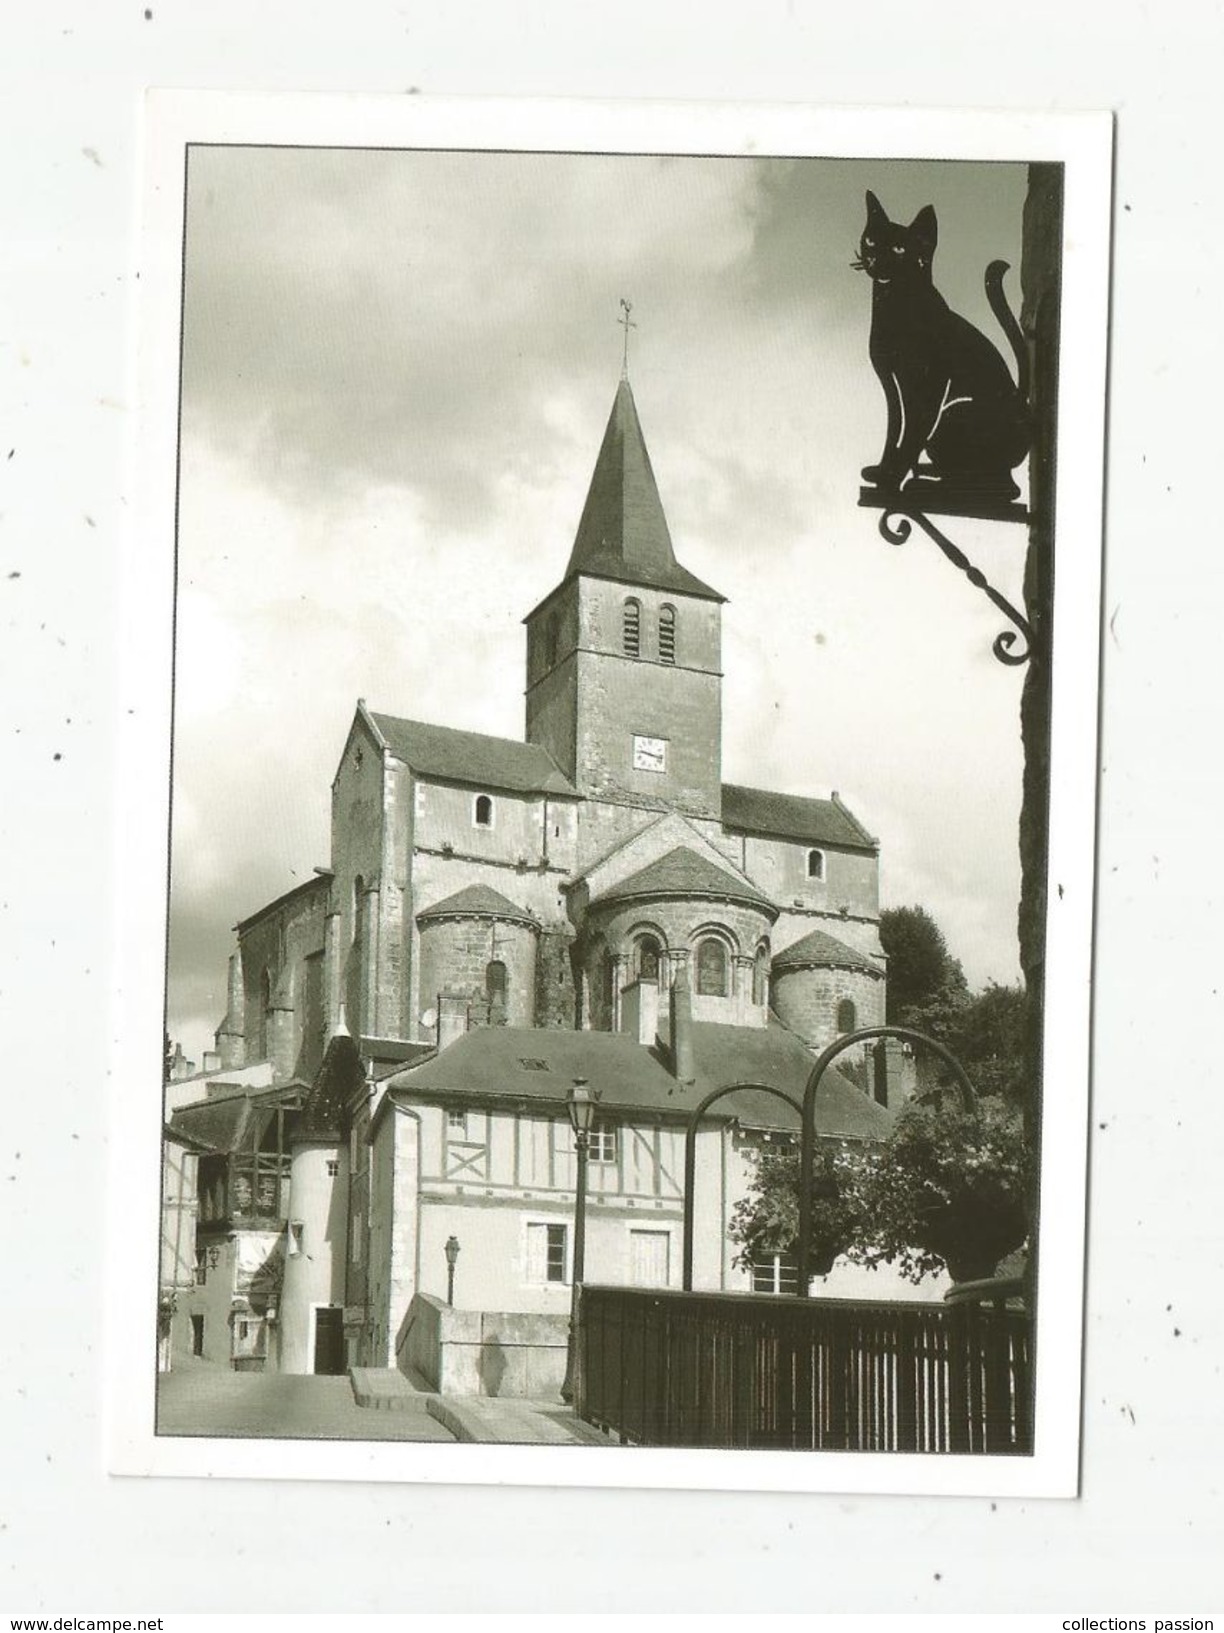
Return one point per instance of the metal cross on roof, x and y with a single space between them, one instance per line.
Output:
626 323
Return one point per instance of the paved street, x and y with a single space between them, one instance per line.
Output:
207 1400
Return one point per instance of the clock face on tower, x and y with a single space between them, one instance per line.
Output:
650 753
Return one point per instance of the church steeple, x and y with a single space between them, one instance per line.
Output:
624 658
623 533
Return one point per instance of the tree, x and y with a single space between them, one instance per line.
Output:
950 1188
926 985
987 1036
765 1221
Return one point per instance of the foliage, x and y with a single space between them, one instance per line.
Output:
923 977
766 1220
950 1187
987 1035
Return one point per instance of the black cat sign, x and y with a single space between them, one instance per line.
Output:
627 1003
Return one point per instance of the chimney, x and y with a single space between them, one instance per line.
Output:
180 1066
640 1011
212 1061
683 1064
452 1017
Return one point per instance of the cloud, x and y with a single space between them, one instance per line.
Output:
397 369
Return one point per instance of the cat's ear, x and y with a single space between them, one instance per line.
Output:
875 210
924 228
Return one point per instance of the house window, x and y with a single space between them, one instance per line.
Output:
333 1168
495 984
815 865
667 634
778 1273
457 1124
201 1267
649 1258
482 813
711 968
197 1335
847 1018
602 1147
546 1253
631 627
760 976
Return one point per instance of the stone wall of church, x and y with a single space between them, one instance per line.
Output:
780 867
455 959
359 794
808 1001
283 1002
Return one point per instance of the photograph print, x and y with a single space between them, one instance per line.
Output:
613 681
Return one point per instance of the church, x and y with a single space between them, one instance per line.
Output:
383 1124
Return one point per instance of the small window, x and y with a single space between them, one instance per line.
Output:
667 634
201 1267
244 1330
457 1124
815 865
711 968
603 1144
631 627
197 1335
333 1168
495 984
530 1065
847 1018
760 976
546 1253
777 1274
482 814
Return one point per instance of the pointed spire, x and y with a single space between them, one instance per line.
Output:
623 533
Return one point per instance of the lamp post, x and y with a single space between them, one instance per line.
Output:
581 1106
452 1253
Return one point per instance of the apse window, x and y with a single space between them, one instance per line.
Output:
711 968
847 1018
815 864
482 811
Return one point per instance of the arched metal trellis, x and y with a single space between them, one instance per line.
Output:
690 1157
807 1150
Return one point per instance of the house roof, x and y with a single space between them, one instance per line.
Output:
528 1064
818 950
682 872
623 533
472 757
235 1122
321 881
791 816
477 901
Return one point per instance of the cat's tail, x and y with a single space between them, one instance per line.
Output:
1007 322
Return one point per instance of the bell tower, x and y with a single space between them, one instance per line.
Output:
624 658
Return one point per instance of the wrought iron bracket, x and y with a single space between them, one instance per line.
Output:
897 522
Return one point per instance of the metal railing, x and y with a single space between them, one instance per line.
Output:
663 1368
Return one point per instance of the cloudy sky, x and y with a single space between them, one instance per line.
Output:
397 369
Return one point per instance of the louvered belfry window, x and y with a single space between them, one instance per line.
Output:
667 634
632 627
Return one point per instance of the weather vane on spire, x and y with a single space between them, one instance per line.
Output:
626 323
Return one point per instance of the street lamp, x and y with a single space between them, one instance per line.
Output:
452 1253
581 1105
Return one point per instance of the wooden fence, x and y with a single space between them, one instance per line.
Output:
662 1368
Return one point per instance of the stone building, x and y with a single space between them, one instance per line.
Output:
498 918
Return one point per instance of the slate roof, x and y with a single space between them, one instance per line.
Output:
623 533
682 872
532 1065
477 901
472 757
791 816
824 951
